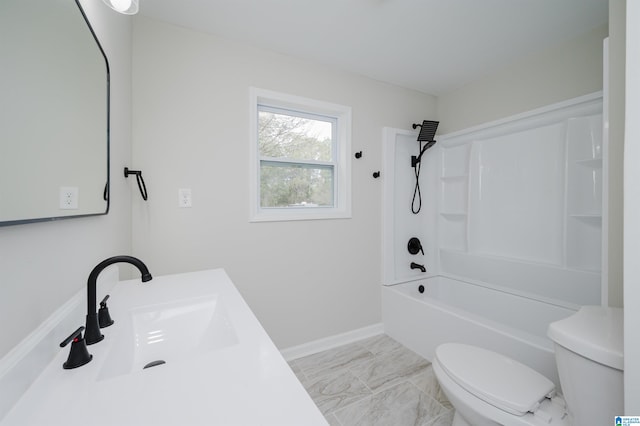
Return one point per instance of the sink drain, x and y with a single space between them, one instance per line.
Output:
154 363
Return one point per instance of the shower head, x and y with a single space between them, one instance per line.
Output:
427 130
427 134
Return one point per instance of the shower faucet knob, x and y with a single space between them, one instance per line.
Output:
414 246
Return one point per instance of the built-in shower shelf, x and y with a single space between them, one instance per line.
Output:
594 163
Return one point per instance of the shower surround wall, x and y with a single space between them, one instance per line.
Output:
514 206
521 203
400 223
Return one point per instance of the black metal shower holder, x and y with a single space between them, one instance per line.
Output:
427 134
141 186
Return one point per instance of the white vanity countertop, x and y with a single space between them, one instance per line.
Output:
244 382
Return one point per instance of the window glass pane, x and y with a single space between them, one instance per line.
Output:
295 185
295 138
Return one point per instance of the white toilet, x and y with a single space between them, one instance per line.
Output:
488 389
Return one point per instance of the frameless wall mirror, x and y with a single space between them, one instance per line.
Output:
54 113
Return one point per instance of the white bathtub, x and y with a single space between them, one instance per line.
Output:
452 310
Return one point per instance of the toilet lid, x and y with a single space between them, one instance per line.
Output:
494 378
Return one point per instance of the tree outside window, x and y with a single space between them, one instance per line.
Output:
297 159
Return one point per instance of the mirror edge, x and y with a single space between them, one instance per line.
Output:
107 190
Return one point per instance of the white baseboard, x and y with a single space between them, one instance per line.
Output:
331 342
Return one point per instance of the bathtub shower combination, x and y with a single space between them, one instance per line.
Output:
509 234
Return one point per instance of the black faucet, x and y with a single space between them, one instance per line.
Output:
414 265
92 334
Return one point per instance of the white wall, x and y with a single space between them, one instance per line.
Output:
565 71
42 265
304 280
617 29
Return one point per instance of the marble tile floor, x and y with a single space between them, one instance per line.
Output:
374 382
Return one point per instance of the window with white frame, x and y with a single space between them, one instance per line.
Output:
300 166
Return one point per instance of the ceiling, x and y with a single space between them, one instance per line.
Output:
433 46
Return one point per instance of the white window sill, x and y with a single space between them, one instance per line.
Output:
283 215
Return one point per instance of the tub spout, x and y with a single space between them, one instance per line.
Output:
414 265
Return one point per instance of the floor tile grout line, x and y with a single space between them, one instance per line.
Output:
383 347
347 406
441 416
431 397
330 370
356 401
359 400
337 419
447 410
390 383
379 390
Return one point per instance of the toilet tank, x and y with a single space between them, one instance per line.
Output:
589 355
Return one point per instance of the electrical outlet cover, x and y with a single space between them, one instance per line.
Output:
184 197
68 197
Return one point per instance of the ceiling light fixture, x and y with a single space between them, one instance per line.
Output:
127 7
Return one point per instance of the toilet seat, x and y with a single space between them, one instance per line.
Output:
494 378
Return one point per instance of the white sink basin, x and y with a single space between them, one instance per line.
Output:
166 334
221 366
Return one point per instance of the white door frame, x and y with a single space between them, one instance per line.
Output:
631 277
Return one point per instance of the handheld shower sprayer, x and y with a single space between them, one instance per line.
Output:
427 134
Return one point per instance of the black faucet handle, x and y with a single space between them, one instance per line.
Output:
103 302
104 319
78 355
75 335
414 246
